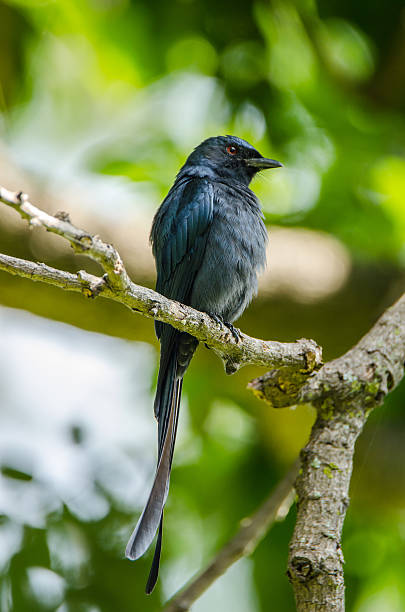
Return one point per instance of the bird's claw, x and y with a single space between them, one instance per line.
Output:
234 330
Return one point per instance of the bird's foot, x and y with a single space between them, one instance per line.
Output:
234 330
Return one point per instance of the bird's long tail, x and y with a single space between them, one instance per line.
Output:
176 352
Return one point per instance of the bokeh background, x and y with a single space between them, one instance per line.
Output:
100 103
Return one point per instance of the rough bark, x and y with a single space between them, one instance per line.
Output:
344 392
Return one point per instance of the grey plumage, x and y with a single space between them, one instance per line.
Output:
209 243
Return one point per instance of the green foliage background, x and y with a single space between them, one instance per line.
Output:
108 97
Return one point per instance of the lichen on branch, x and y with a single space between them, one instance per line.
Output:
344 392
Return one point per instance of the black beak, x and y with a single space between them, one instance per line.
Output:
261 163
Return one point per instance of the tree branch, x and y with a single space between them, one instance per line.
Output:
81 241
344 392
298 358
251 531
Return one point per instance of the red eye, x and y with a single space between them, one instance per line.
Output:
232 150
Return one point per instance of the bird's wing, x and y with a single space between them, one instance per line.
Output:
179 237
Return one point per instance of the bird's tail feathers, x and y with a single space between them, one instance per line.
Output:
154 569
176 352
148 523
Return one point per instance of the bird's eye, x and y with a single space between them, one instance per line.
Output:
232 150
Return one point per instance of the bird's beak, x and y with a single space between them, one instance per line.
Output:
261 163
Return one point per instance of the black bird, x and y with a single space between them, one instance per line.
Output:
209 242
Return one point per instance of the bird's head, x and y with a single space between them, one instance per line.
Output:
227 157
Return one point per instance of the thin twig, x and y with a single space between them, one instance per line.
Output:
81 241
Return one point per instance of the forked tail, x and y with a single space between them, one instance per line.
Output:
174 347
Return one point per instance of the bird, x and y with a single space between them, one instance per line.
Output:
209 243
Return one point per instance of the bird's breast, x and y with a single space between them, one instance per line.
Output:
235 253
